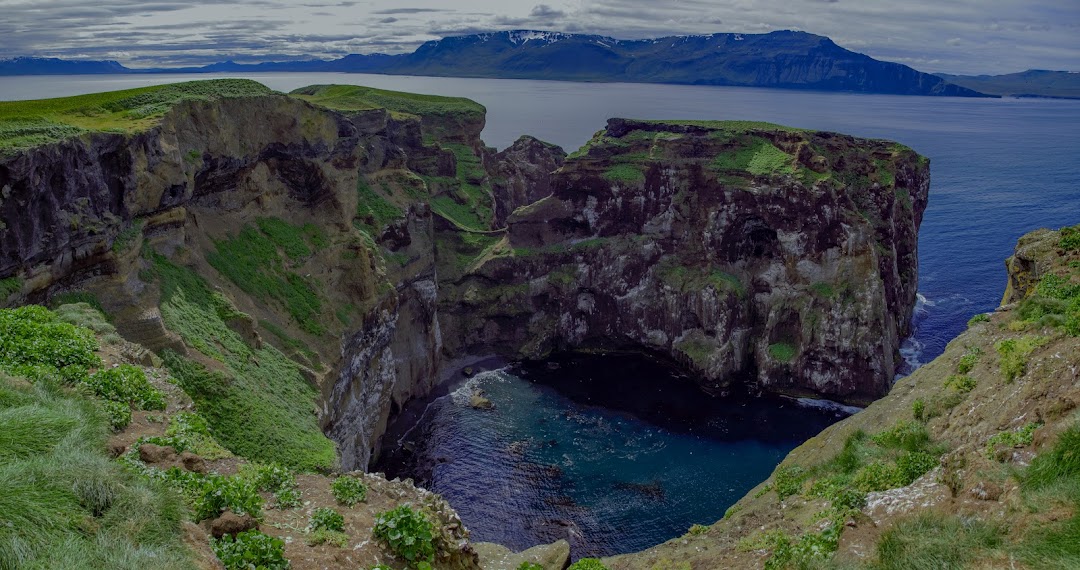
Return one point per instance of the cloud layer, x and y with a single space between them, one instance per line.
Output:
959 36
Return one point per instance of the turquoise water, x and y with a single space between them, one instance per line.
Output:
614 453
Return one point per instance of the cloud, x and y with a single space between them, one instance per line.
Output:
996 37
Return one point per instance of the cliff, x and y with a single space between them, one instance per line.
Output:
968 462
333 249
755 255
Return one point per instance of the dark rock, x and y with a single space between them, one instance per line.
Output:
232 524
193 463
153 454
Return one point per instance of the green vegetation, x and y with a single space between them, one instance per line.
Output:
126 384
348 490
465 199
893 458
754 155
407 533
1055 476
192 432
26 124
251 549
625 173
688 279
9 287
273 478
63 503
968 360
358 98
979 318
127 236
823 290
960 383
587 564
1014 353
698 530
257 404
1019 437
373 211
783 351
325 518
253 261
82 314
529 566
331 537
1070 238
938 541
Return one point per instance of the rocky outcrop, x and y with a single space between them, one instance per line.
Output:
758 256
755 255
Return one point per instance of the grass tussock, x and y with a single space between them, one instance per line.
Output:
63 503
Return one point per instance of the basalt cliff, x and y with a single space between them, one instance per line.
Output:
357 242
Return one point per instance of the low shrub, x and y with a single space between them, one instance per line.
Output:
918 410
968 360
251 549
906 435
960 383
348 490
789 481
331 537
1009 439
407 533
529 566
698 529
119 414
325 518
126 383
216 493
193 433
1014 353
588 564
980 318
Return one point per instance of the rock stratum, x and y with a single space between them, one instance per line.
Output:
359 241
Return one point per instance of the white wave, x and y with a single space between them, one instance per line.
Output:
911 351
463 395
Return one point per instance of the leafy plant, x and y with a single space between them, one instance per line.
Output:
960 383
783 351
216 493
126 383
348 490
698 529
1018 438
193 432
327 519
979 318
1014 354
789 481
119 414
407 533
37 343
588 564
968 360
251 550
529 566
918 410
331 537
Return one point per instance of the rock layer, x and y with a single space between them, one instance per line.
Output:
758 256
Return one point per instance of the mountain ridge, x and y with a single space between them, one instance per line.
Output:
780 59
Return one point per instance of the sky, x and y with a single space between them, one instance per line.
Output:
950 36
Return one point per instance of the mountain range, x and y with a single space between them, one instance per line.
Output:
1030 83
782 59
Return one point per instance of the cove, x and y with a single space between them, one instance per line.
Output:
614 453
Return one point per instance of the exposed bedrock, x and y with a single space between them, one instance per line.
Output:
777 259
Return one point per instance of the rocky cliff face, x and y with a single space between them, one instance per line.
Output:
373 241
754 255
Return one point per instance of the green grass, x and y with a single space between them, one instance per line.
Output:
1014 354
1054 476
783 351
823 290
63 503
9 287
253 261
629 173
756 156
465 199
127 237
359 98
934 541
257 405
689 278
373 210
26 124
1019 437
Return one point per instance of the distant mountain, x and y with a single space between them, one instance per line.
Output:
785 59
1030 83
53 66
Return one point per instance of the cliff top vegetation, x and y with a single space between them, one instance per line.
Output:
26 124
359 98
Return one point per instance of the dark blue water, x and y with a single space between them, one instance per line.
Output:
1000 168
613 453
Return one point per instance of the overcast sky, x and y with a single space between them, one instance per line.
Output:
953 36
